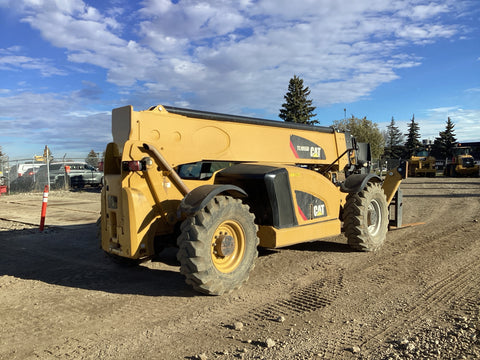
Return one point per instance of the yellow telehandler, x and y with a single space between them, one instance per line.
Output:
218 186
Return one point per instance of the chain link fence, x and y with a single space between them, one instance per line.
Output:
30 175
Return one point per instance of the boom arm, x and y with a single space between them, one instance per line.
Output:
183 139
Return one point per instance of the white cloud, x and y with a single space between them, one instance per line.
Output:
467 126
344 49
442 110
226 55
426 34
432 121
88 36
473 90
11 59
339 47
155 7
57 120
77 32
422 12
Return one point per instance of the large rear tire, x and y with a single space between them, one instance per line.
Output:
218 246
366 218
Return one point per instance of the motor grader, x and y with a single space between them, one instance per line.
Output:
218 186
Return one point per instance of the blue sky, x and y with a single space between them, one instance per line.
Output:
65 64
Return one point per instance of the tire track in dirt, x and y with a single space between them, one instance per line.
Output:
296 302
429 303
452 286
302 300
11 223
127 318
442 292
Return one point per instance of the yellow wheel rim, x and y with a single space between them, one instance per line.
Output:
228 246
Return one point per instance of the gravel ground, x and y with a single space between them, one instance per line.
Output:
416 298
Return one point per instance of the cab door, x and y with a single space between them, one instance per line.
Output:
89 176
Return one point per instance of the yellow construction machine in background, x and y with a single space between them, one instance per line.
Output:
422 164
462 163
218 186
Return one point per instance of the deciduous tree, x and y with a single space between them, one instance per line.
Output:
364 131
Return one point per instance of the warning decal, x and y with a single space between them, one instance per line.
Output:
305 149
309 206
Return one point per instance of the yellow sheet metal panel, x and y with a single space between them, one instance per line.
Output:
185 139
315 197
392 182
316 201
146 202
271 237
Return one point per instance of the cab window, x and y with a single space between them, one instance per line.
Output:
201 170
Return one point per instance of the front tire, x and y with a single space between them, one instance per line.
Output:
366 218
218 246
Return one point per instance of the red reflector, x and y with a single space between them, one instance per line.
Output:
134 166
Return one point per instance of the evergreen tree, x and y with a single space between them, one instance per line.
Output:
393 141
92 158
297 108
364 131
413 138
444 144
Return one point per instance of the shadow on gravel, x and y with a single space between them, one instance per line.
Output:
322 246
314 246
71 256
89 189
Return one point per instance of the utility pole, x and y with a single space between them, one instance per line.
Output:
46 155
